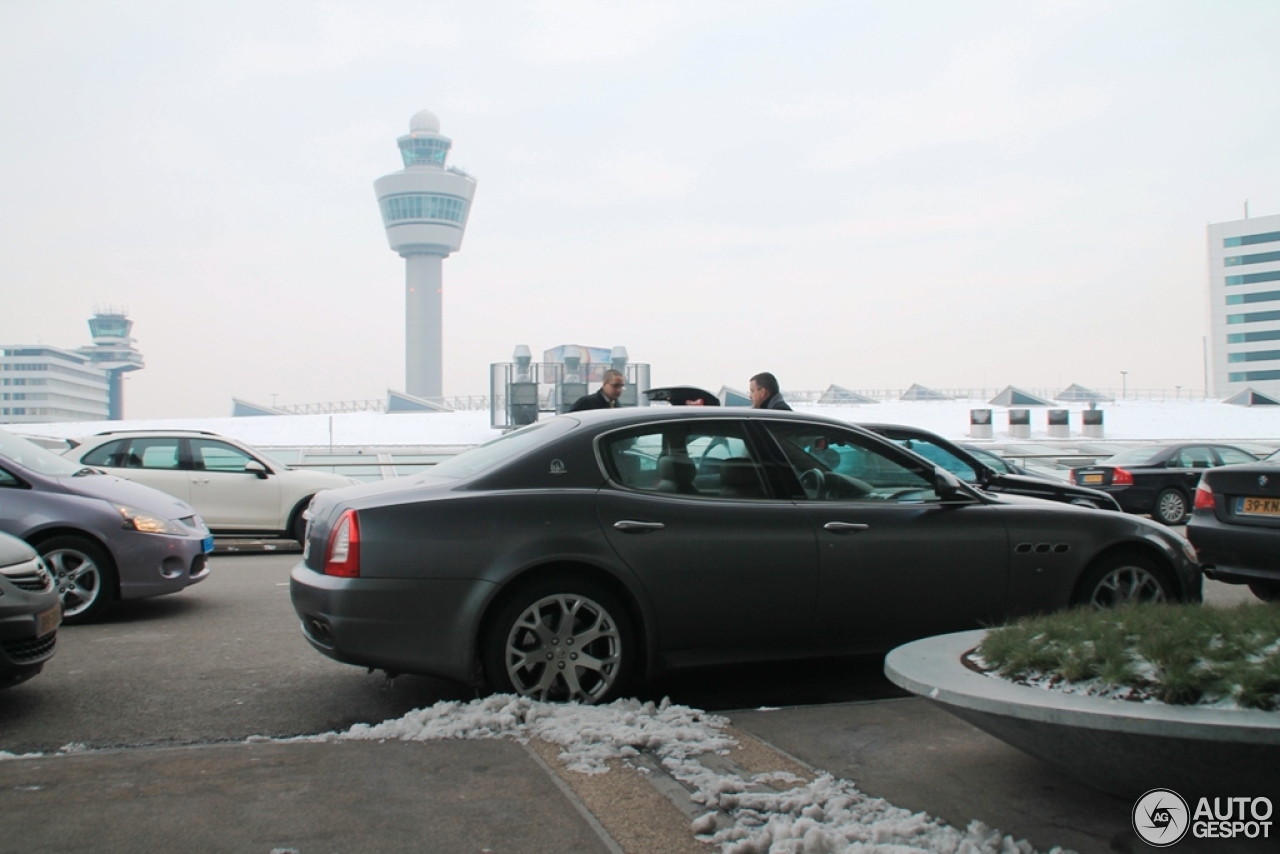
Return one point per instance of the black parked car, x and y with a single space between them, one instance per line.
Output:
994 474
1235 526
566 559
30 612
1158 479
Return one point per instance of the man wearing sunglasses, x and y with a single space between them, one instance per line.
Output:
606 397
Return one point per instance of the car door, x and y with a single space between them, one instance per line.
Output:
227 496
729 566
1186 466
894 560
153 461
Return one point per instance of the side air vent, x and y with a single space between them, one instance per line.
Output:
1041 548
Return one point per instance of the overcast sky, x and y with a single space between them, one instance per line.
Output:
871 194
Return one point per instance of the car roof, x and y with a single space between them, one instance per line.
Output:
640 414
154 431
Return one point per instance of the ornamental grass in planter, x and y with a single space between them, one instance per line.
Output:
1178 654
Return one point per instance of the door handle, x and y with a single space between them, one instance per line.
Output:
631 526
845 527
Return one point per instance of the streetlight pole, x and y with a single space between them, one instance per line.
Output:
1124 384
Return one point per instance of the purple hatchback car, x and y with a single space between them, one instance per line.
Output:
102 537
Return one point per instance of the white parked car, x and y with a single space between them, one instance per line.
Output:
234 487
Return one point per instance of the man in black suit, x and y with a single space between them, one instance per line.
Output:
606 397
764 392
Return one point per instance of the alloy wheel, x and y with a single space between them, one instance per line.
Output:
78 578
1127 585
564 648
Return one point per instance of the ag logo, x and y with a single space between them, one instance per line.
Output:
1161 817
557 467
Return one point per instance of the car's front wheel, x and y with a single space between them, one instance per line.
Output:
1267 591
560 640
1125 579
1171 507
83 573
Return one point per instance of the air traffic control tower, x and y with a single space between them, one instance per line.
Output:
424 210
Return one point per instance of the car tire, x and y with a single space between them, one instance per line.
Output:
83 573
560 639
1124 579
1171 507
1267 591
297 524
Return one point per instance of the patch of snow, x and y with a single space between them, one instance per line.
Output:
745 816
1123 421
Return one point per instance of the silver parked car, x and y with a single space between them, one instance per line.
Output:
102 537
234 487
29 612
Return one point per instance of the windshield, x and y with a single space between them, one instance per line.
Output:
493 452
32 457
941 456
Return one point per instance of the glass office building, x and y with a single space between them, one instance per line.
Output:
1244 306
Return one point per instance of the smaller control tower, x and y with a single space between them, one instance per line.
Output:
113 353
424 210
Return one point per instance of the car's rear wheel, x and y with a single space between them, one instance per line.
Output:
560 640
1171 507
1267 591
1125 579
83 573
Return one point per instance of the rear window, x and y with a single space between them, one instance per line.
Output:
499 450
1134 456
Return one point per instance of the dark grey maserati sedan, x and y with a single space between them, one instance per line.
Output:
575 556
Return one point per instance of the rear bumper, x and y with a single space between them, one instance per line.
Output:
427 627
1132 499
1235 554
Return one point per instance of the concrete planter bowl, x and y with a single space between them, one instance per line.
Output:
1117 746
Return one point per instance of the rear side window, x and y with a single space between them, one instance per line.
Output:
1195 458
707 458
153 453
110 455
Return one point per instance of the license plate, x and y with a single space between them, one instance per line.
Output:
1093 478
208 544
1258 506
47 621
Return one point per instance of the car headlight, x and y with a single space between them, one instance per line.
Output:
147 523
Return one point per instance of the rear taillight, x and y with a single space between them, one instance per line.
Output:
1120 477
1204 498
342 555
1071 476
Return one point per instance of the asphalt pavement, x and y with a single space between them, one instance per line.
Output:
167 696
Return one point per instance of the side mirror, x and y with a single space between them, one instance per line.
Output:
948 486
255 467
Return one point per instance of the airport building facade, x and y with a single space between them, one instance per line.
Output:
1244 306
40 384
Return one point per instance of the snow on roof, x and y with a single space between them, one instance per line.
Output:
1129 420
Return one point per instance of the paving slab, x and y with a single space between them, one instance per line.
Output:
916 755
352 797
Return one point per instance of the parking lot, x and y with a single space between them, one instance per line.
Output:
224 661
